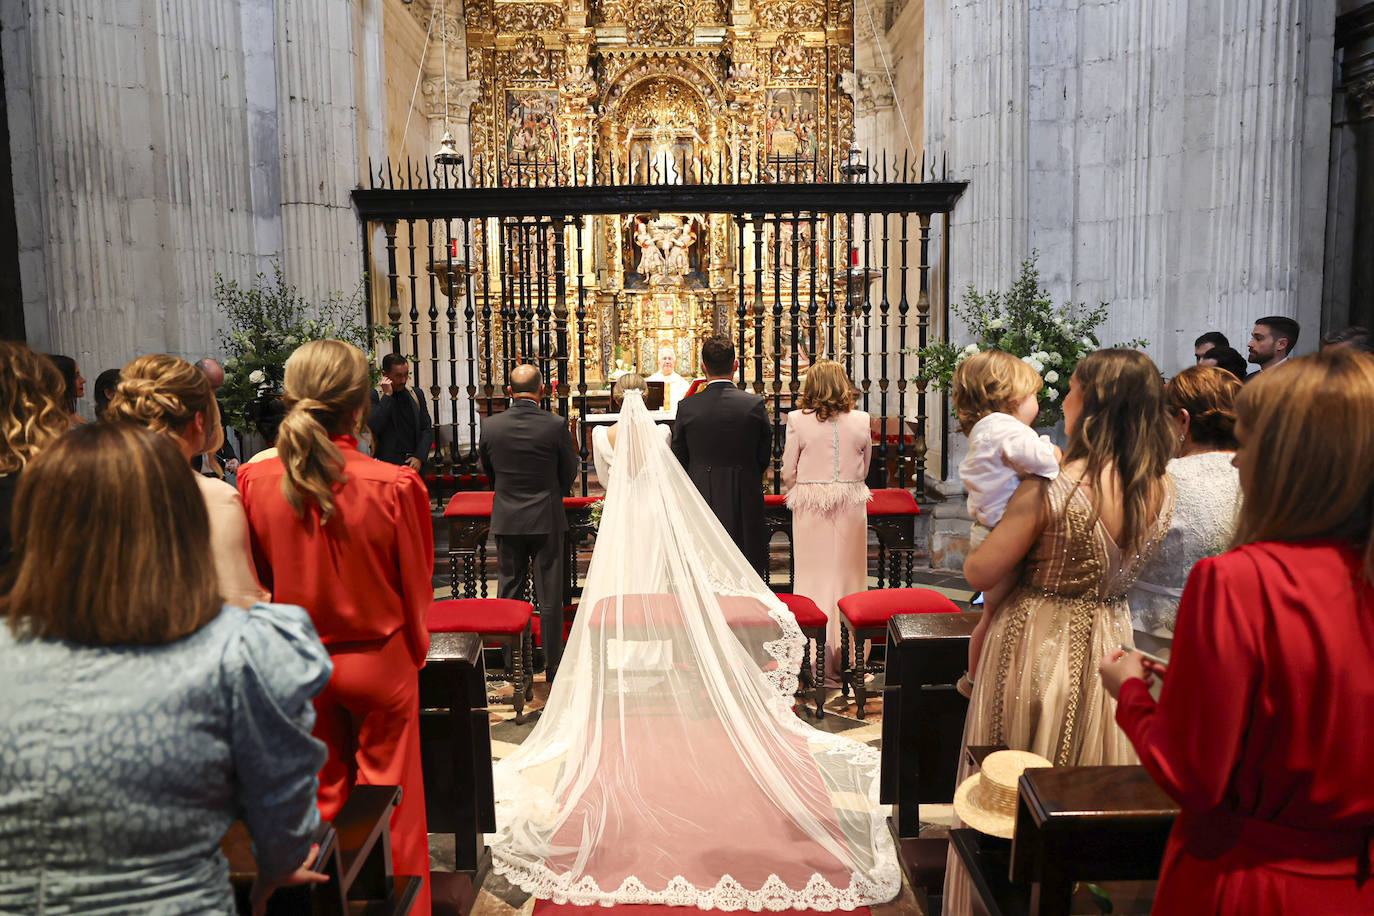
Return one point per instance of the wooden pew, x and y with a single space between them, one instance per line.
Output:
355 852
923 725
455 745
1072 824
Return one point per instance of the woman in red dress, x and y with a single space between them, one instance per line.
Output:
349 538
1262 730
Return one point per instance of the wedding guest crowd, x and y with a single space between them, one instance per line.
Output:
1259 732
1224 526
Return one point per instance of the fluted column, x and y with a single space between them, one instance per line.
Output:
132 178
1166 156
318 111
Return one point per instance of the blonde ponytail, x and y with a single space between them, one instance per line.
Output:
326 380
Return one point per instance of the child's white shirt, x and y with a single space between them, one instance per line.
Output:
1001 451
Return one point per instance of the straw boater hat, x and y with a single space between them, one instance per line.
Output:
986 801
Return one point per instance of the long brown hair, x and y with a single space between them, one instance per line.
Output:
1208 393
165 393
1123 428
326 380
827 390
131 564
1308 429
32 411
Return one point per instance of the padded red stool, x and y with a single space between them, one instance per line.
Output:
499 620
812 621
468 515
864 616
892 516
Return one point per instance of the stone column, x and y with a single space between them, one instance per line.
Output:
318 115
1166 156
132 130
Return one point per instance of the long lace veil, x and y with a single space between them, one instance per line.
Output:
668 766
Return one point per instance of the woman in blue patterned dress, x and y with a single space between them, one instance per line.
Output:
140 717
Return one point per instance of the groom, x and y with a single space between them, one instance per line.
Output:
723 438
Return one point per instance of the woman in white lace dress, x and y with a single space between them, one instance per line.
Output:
1201 400
603 437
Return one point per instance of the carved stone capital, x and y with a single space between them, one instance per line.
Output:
461 95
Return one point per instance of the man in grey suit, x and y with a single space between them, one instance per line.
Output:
723 438
529 456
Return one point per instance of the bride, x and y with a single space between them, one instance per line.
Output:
668 766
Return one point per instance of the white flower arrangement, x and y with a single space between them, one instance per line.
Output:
1024 322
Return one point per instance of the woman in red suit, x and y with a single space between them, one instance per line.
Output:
349 538
1262 730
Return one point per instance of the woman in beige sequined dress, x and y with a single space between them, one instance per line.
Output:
1083 539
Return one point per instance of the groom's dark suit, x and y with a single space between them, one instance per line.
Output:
531 460
723 438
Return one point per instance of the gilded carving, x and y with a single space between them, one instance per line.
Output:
611 11
478 14
528 17
791 60
658 23
529 58
792 14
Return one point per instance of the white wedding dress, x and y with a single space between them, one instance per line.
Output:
668 766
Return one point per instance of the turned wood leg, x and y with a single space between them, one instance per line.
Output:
819 689
517 653
527 651
844 659
860 675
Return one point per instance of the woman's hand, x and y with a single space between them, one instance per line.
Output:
1118 666
303 875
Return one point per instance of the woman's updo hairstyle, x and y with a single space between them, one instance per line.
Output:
164 393
630 381
326 380
1208 393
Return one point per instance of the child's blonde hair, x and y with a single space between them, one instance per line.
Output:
992 381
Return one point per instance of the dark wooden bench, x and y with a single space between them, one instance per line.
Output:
923 725
455 745
1072 824
355 852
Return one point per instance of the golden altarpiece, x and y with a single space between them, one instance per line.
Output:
630 92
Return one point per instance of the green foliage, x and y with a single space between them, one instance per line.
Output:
1024 322
266 321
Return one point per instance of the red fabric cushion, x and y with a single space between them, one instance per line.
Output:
470 504
579 502
479 615
804 609
873 608
567 628
893 501
774 499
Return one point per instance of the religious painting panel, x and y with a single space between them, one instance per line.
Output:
665 251
531 128
791 124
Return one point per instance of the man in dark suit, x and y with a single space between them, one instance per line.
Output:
529 456
401 431
723 438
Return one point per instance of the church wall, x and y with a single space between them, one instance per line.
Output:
156 143
1167 157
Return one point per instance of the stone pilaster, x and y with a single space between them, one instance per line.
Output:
1152 152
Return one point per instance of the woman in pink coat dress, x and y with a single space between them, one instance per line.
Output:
824 466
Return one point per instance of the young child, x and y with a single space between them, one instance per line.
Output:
996 401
